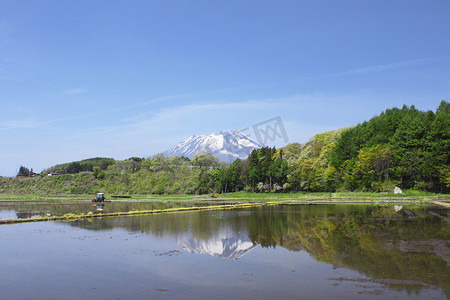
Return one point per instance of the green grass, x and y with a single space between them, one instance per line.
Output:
337 196
240 196
43 197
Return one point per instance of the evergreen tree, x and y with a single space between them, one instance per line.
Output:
24 171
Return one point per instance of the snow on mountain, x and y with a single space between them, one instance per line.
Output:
227 145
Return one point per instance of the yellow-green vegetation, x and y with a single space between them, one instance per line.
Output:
440 203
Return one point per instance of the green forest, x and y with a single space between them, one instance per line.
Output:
400 147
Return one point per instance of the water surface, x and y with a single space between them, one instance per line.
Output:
30 209
285 252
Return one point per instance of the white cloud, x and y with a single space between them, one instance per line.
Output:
76 91
16 124
380 68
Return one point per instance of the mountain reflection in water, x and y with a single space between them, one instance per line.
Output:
406 250
224 245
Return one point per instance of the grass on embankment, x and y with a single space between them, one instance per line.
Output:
43 197
242 196
88 197
408 195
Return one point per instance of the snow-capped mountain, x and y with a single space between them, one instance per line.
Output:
227 145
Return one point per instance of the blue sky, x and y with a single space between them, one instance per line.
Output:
81 79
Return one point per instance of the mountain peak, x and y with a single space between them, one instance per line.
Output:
227 145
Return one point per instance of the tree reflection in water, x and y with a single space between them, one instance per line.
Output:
406 250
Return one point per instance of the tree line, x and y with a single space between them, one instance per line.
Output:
86 165
400 147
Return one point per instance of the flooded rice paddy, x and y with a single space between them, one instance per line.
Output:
267 252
